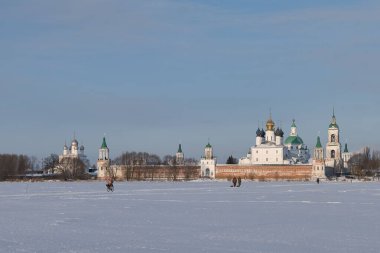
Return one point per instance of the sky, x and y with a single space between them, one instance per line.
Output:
152 74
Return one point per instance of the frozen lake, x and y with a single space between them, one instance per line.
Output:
190 217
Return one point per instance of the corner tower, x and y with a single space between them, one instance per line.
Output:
346 156
179 156
318 170
208 163
103 162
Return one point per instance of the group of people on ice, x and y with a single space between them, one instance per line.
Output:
236 182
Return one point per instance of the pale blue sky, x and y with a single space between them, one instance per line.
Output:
150 74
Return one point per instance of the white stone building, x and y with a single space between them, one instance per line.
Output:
208 163
318 169
179 156
271 150
297 152
104 162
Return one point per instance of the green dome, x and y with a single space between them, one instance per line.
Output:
293 140
333 125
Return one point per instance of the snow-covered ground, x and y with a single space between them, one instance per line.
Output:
190 217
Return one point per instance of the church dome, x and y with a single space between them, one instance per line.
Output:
270 124
281 133
258 132
65 147
74 143
82 147
277 132
293 140
333 125
262 133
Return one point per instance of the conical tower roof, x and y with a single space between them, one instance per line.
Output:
179 149
104 144
333 123
318 145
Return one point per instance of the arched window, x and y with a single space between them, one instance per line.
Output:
333 138
332 153
207 172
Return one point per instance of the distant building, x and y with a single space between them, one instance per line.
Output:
179 156
208 162
74 152
333 161
70 153
271 150
104 162
318 169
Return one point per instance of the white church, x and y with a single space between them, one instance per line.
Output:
75 152
271 149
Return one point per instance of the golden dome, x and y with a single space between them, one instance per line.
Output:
270 124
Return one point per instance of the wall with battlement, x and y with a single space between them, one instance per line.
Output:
154 172
223 171
264 172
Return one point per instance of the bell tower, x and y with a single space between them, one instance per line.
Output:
333 153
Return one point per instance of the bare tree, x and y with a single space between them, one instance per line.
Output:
71 168
50 162
365 163
13 165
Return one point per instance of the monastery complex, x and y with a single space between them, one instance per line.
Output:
271 158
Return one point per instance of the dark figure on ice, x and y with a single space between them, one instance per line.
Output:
238 181
234 181
109 184
318 180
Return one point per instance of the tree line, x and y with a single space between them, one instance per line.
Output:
365 164
13 166
144 158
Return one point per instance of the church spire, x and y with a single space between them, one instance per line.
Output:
104 144
318 145
333 121
180 148
345 148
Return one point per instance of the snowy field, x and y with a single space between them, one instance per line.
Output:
190 217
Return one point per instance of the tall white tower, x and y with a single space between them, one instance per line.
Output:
318 169
103 162
346 157
333 154
208 163
179 156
